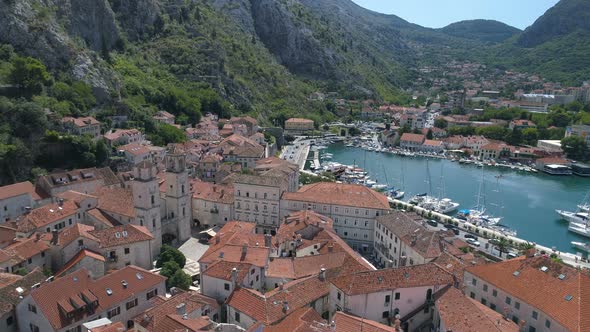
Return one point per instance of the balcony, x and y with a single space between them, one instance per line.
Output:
112 258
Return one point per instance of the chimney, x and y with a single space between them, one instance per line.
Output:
267 240
60 201
37 237
234 276
323 274
181 309
54 236
333 325
285 306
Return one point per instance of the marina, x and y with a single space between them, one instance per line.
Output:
524 201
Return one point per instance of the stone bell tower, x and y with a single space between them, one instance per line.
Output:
146 200
178 195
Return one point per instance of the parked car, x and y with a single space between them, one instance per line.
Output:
455 230
449 226
432 223
511 255
473 242
470 236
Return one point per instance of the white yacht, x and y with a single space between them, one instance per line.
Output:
574 217
445 206
581 246
578 228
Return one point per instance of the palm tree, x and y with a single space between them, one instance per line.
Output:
503 246
525 247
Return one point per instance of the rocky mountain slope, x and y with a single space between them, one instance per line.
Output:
266 56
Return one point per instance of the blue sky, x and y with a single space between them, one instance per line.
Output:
439 13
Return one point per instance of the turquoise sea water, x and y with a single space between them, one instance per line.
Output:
526 201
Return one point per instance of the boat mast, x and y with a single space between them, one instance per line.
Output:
385 173
428 178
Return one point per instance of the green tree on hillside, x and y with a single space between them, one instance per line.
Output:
575 147
29 74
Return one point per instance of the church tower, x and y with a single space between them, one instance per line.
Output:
178 195
146 199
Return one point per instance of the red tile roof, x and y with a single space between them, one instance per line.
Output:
462 314
211 192
416 138
84 253
223 270
164 318
303 319
117 200
25 249
17 189
336 263
298 120
121 235
45 215
548 293
389 279
268 308
349 323
51 296
339 194
81 122
9 296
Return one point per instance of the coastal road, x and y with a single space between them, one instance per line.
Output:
297 152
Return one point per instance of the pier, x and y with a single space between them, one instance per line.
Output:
486 233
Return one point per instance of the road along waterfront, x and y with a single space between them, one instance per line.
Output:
526 201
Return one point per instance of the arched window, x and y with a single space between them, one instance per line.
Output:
182 188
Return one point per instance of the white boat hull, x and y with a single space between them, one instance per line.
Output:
579 229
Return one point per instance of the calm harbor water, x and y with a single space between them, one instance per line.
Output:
526 201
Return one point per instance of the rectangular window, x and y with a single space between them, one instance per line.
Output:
151 294
253 271
387 299
397 296
517 305
484 301
32 308
532 329
385 314
547 323
9 321
30 260
126 251
485 288
535 315
492 306
472 295
495 293
338 296
508 300
33 327
237 317
226 286
474 282
131 304
113 312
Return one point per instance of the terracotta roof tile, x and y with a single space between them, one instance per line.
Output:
120 235
349 323
118 201
17 189
427 243
49 296
84 253
462 314
387 279
45 215
339 194
223 194
268 308
162 317
25 249
549 292
223 270
9 297
304 319
416 138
